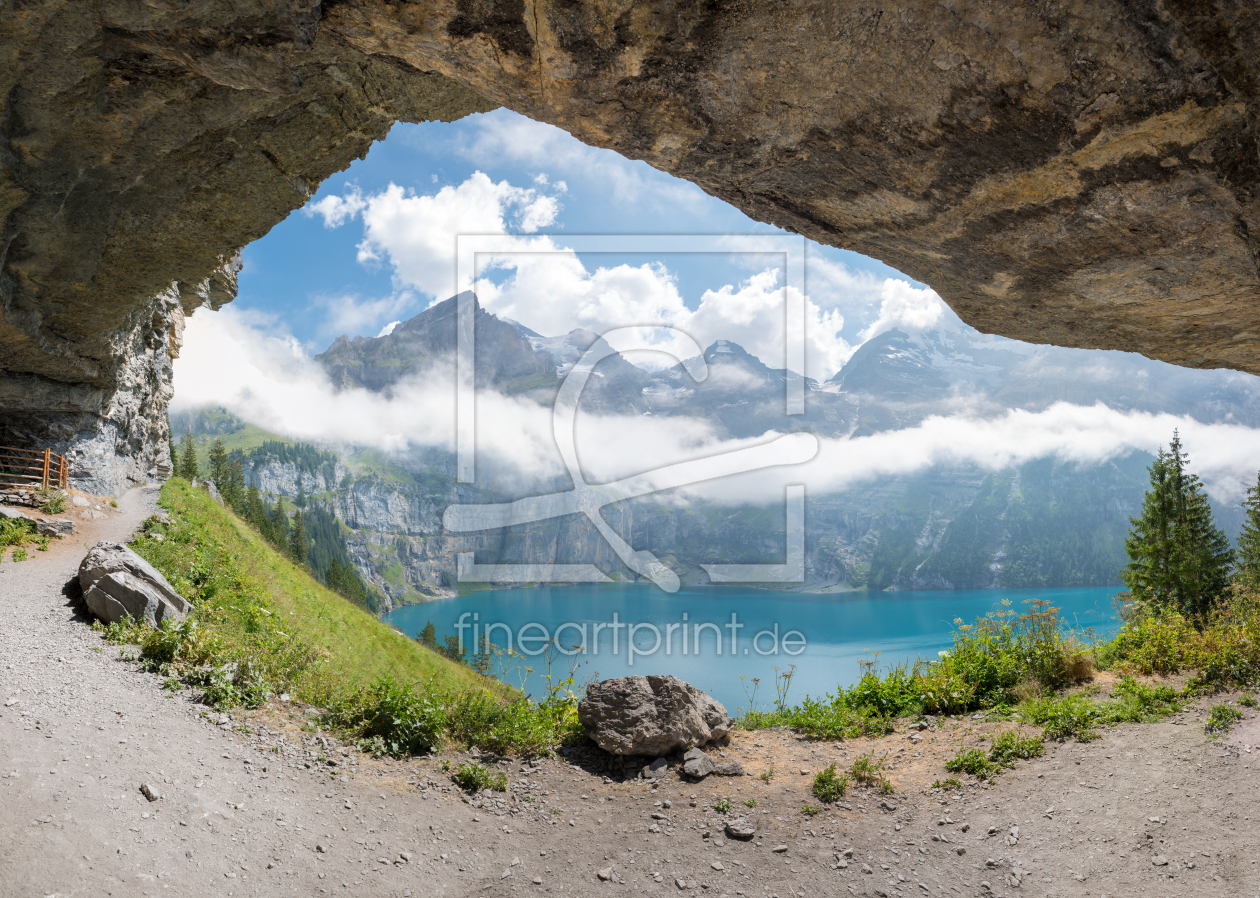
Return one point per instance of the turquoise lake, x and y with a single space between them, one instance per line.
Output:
823 636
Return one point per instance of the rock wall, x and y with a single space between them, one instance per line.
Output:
1082 172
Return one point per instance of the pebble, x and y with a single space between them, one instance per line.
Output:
605 874
780 849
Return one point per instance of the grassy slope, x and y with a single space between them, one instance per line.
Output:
360 647
248 437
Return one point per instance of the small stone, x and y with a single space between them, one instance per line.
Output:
741 829
322 848
1159 860
866 868
537 880
405 856
961 851
149 792
605 874
505 874
717 865
966 826
779 849
804 771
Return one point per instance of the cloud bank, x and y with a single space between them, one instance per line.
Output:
235 360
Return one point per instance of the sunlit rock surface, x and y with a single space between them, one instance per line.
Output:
1075 172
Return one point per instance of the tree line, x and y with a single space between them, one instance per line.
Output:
1179 559
311 536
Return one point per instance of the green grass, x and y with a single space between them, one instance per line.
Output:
262 625
254 601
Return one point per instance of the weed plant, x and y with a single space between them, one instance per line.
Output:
1221 719
830 786
473 776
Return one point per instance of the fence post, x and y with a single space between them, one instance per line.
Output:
61 481
47 459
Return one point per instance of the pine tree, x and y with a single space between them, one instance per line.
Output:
255 513
219 468
1249 538
428 636
1178 557
188 458
300 501
233 489
279 527
299 547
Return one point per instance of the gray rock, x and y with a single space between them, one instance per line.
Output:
729 768
149 792
655 770
118 583
209 487
12 514
651 715
741 829
697 764
80 501
55 527
605 874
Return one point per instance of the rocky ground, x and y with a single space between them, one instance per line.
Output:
260 803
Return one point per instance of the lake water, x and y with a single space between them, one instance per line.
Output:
824 636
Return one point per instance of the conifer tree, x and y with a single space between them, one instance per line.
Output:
1249 538
218 473
255 513
428 636
279 527
1178 557
300 501
188 458
233 489
299 547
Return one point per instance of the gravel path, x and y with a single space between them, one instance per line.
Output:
251 805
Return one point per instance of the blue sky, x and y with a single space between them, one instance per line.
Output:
310 275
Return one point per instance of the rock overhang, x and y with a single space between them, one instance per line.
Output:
1074 173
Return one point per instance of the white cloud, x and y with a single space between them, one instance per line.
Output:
909 308
245 363
352 314
388 329
337 210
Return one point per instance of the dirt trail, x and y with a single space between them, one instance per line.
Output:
251 805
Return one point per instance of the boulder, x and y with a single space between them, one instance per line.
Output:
117 583
55 527
651 715
697 764
741 828
729 768
656 770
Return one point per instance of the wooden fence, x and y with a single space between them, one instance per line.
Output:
31 469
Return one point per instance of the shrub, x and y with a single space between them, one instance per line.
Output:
951 783
1247 700
973 761
1012 745
722 805
809 810
1222 718
406 722
473 776
830 786
52 502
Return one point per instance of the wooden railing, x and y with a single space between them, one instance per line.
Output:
31 469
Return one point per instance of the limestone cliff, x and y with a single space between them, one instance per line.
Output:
1082 172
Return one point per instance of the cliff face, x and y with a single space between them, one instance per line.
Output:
1082 173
